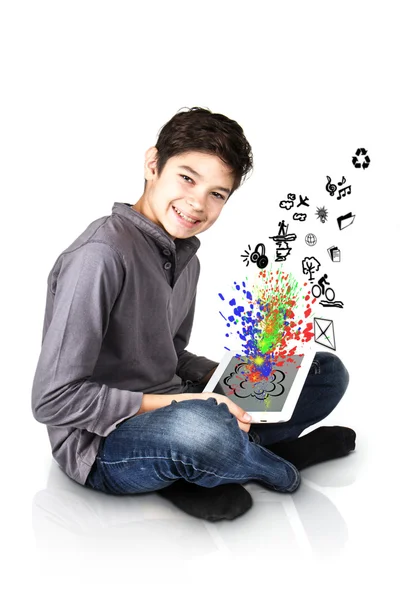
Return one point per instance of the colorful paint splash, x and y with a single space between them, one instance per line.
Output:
268 321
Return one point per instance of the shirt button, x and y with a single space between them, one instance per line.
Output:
166 252
167 265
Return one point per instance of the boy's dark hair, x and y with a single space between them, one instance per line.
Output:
200 130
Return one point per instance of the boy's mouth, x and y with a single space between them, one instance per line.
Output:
184 218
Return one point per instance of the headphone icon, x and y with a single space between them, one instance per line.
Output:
258 258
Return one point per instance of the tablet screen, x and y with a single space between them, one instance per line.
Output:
267 394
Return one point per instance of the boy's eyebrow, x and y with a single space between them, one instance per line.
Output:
193 172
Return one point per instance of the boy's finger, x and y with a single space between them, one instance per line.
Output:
243 427
246 418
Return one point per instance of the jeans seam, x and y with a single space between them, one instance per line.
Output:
245 479
105 462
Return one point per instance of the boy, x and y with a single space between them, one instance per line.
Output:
120 394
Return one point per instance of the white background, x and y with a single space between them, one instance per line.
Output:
86 86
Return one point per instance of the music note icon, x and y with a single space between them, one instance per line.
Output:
342 192
330 187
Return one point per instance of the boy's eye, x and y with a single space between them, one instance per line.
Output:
190 179
187 177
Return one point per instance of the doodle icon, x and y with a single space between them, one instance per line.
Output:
320 289
311 239
324 333
330 187
322 214
334 253
288 204
357 163
256 257
283 249
259 257
303 202
343 192
345 220
310 266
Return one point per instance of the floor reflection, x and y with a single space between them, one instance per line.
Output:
70 518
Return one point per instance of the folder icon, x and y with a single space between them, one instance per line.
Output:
345 220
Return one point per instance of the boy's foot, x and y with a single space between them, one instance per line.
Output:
317 446
226 501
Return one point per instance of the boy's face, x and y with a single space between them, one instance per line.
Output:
194 183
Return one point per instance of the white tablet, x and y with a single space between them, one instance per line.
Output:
271 399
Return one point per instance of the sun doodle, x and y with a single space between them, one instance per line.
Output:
322 214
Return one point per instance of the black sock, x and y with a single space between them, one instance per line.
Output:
226 501
317 446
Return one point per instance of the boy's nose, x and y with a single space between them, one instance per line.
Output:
196 205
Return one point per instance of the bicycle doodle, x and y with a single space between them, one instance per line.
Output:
319 289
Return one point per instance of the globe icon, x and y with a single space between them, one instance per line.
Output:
311 239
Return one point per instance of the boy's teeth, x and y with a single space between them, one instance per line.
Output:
183 216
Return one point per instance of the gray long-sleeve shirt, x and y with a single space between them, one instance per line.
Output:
119 314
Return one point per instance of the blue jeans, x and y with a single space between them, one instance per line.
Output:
200 441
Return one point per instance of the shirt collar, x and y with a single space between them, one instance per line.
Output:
155 231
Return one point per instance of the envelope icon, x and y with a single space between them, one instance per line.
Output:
324 333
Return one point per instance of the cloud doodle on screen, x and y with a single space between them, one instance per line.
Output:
242 387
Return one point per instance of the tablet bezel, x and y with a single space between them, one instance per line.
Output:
293 396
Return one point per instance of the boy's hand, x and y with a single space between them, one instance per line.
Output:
234 409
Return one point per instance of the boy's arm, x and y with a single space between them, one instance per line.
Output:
63 395
190 366
207 376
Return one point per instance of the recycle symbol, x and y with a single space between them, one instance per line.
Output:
356 161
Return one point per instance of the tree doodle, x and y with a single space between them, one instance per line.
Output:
310 266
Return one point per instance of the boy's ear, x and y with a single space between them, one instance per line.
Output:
150 163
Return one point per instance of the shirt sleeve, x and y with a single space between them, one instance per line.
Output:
79 302
190 366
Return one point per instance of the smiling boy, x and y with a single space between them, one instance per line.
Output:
120 394
184 201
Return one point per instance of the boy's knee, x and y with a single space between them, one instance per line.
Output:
196 426
331 367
